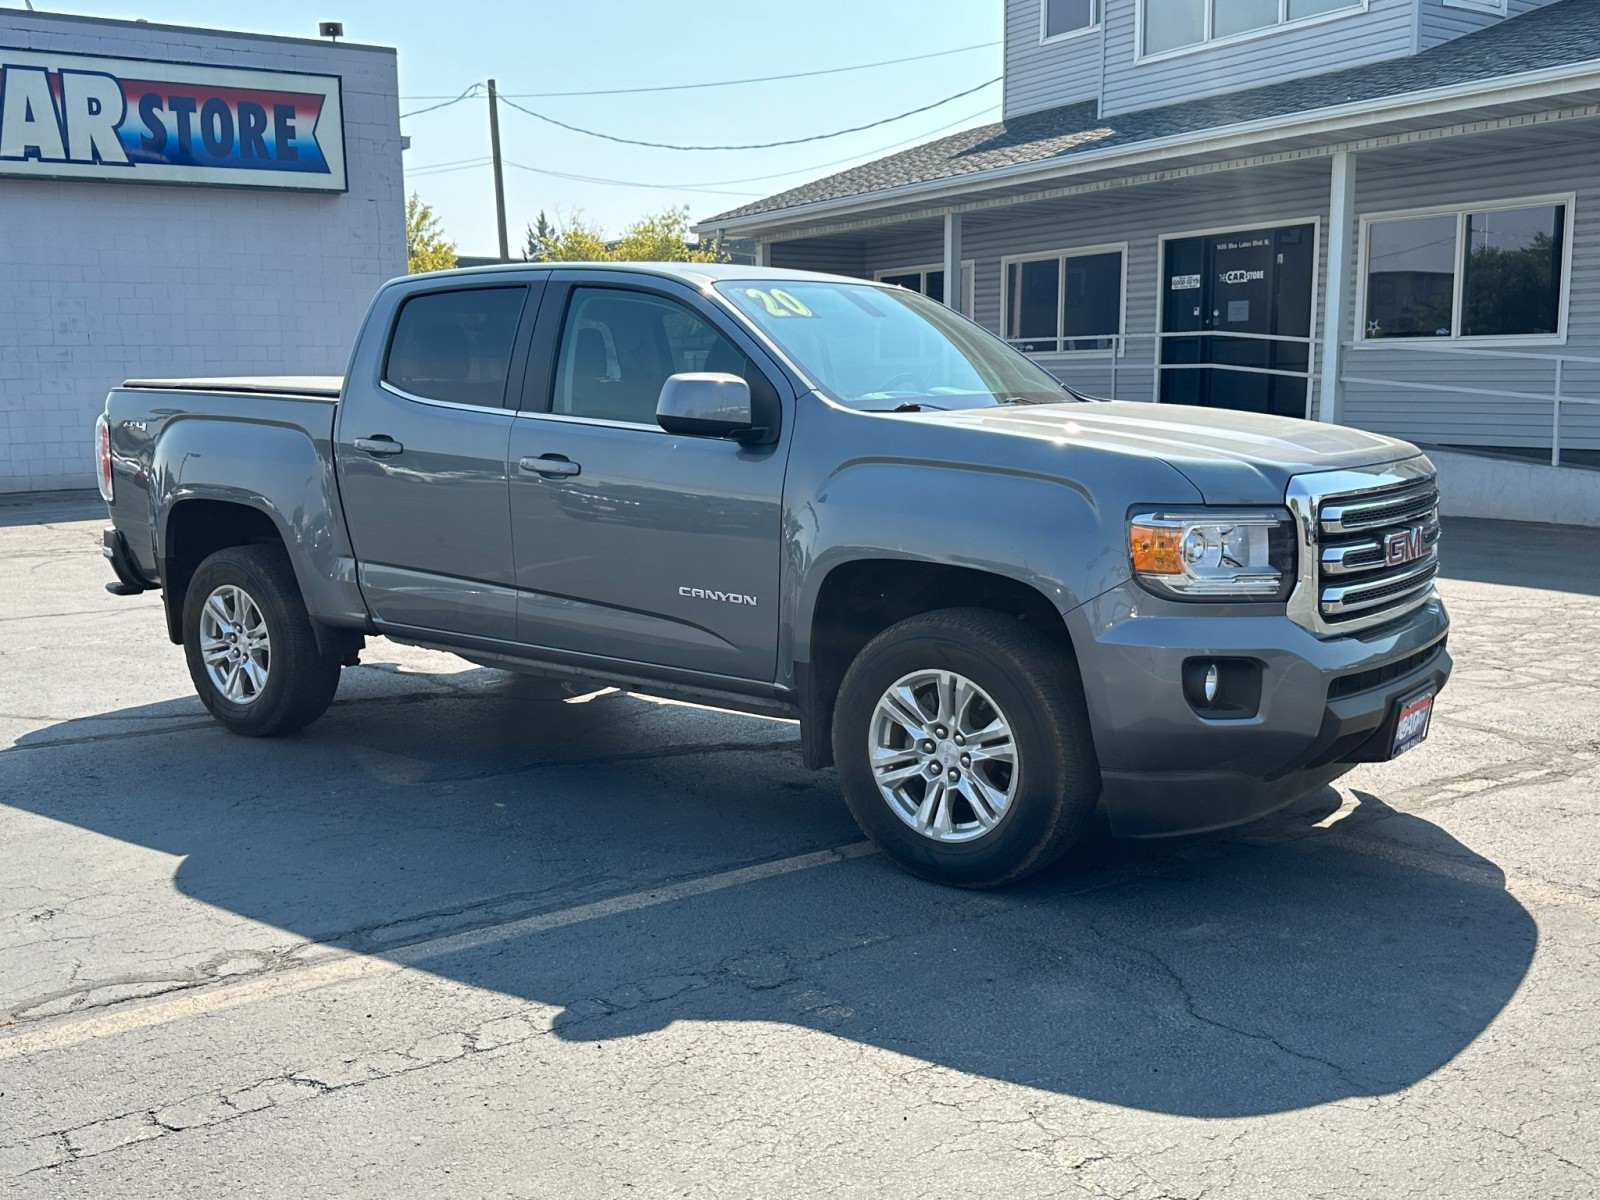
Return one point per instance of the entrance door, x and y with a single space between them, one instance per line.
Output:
1236 320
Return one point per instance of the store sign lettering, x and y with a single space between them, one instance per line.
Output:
1241 276
65 116
1185 283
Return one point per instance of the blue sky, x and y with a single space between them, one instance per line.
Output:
544 46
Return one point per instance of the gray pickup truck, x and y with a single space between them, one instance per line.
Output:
997 606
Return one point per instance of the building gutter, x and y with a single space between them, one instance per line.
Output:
1342 118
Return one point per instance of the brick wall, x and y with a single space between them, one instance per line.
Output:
101 282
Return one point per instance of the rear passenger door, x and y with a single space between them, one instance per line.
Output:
632 543
421 458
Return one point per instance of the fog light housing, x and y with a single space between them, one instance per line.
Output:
1223 689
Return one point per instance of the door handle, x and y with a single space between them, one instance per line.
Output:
554 466
379 446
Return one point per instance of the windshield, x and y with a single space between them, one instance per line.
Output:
888 348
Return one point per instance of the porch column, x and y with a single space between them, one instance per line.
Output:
763 253
1337 304
953 291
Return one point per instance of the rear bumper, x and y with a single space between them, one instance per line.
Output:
115 548
1324 706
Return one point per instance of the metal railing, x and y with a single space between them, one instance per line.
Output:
1556 363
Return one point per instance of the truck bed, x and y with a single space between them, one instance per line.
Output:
315 387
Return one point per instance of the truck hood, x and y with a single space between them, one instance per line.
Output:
1230 457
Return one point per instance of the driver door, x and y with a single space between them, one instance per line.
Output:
632 543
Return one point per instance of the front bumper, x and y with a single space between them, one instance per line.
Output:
1324 706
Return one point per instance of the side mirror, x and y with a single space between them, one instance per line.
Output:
708 404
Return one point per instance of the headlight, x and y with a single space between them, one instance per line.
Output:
1206 554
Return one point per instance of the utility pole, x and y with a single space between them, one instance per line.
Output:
499 172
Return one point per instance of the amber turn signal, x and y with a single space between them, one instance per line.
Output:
1155 550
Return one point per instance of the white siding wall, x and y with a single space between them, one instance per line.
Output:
1385 30
100 282
1440 22
1040 75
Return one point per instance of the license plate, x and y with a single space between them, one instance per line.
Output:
1411 730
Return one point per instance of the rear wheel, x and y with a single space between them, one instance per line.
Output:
963 747
249 643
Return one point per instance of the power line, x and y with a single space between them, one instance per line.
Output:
469 164
672 187
466 95
684 87
818 137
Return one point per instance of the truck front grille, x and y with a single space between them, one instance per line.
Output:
1371 545
1378 553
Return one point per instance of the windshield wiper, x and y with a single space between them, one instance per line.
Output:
908 406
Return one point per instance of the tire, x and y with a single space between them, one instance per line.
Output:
1004 819
292 683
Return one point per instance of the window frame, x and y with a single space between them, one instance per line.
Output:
969 269
1047 39
1284 23
1498 8
516 366
1462 212
1061 337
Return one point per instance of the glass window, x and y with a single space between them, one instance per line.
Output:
456 346
620 347
1092 314
1509 261
1033 291
1169 24
1512 283
1174 24
1242 16
1069 16
851 339
1069 303
1411 277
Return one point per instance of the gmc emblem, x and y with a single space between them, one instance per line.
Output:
1406 546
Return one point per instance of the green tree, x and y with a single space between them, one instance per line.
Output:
426 249
538 234
661 237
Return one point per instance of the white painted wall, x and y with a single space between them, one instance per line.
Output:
101 282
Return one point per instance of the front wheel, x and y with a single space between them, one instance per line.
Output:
963 746
249 643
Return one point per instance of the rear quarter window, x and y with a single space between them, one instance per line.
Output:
456 346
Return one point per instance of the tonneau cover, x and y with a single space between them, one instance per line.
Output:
321 387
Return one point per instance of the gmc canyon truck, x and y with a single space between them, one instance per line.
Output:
997 606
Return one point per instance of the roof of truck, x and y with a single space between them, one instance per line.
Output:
696 274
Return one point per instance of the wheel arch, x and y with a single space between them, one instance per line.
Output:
857 599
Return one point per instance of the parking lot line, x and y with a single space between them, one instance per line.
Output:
345 967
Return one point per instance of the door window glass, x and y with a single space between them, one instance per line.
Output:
456 346
619 348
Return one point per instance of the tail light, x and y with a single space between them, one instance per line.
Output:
102 443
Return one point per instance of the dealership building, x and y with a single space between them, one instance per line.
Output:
180 201
1383 213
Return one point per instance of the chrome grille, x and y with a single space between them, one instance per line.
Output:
1371 541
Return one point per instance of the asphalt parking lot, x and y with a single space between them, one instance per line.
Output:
454 941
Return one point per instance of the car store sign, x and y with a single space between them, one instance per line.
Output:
65 116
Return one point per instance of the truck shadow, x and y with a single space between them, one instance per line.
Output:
1294 963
